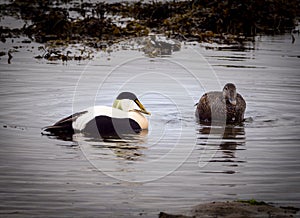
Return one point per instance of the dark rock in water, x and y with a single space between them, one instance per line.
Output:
235 209
26 41
165 215
9 57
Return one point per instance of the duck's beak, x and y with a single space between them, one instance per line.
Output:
232 101
141 106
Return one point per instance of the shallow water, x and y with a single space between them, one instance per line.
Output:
173 166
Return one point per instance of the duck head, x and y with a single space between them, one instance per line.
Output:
229 93
127 101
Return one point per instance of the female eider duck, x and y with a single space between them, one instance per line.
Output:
125 116
220 106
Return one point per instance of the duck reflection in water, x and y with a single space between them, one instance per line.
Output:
125 146
225 139
233 137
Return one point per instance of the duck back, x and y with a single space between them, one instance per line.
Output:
212 106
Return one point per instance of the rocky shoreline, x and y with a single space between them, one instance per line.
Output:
236 209
96 26
226 22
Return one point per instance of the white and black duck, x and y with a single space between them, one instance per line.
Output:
125 116
226 105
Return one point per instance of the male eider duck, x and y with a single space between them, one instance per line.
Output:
220 106
125 116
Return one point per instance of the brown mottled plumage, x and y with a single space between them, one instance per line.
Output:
223 106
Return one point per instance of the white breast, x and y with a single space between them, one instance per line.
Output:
80 123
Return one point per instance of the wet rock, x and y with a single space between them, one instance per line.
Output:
226 22
195 20
9 57
236 209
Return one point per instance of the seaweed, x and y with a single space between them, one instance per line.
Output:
201 20
253 202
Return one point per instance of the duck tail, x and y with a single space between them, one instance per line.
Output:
51 128
56 129
63 126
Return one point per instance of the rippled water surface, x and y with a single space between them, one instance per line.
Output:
174 165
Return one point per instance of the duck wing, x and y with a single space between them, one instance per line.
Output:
64 125
210 103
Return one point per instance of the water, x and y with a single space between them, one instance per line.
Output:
177 163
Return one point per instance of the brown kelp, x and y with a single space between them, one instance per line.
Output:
199 20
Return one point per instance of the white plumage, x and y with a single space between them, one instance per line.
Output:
80 123
125 116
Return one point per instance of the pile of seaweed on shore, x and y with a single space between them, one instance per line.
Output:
192 20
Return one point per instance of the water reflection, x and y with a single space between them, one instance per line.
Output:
220 144
126 146
63 137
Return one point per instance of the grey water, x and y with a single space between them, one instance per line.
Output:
173 166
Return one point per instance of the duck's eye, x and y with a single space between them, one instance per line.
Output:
226 88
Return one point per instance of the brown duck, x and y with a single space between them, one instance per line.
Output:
227 105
